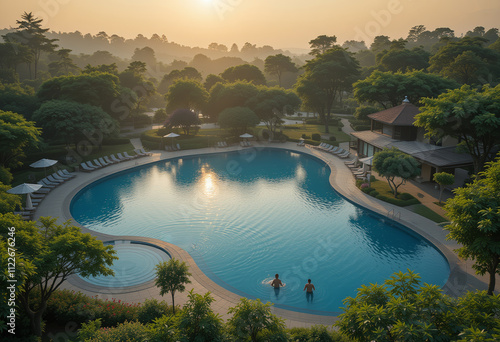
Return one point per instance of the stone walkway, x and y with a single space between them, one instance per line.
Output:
57 202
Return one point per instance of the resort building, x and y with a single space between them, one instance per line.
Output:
394 127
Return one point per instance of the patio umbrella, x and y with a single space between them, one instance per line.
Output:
246 135
44 163
367 160
27 189
172 135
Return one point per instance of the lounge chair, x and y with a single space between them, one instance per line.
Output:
89 164
333 149
66 172
113 158
58 178
50 178
126 155
86 168
242 144
344 155
321 145
146 153
96 162
339 151
121 157
139 153
301 143
109 161
62 175
46 183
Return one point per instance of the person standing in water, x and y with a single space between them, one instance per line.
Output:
309 293
276 283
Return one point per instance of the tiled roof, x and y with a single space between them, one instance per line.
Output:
430 154
402 115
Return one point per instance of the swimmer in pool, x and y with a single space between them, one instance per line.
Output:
309 293
276 282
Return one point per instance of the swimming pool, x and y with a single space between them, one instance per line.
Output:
244 216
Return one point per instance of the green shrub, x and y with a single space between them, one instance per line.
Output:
396 201
126 331
162 329
332 138
152 309
316 137
305 136
66 306
5 175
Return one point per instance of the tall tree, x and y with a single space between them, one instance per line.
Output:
472 116
475 222
271 104
448 54
467 68
238 119
278 64
188 73
56 252
334 73
183 118
211 80
395 166
244 72
186 94
229 95
30 33
389 89
16 136
171 276
72 121
63 64
321 44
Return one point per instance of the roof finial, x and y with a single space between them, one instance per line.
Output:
406 100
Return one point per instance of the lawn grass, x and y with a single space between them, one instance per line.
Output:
424 211
295 132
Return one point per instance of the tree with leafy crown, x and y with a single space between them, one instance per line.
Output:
171 276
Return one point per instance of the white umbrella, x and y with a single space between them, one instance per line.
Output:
171 135
44 163
246 135
25 188
367 160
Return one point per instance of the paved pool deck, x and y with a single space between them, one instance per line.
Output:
57 202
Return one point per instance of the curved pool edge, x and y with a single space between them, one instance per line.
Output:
340 179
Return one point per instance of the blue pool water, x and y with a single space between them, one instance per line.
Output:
244 216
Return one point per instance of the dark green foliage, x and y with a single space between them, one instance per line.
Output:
392 164
244 72
223 96
184 93
188 73
96 89
251 320
152 309
211 80
73 122
238 119
401 309
389 89
126 331
316 136
172 276
197 321
70 306
5 175
18 99
404 60
279 64
16 136
8 202
183 118
468 114
475 222
362 112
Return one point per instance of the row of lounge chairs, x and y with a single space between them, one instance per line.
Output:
335 150
172 148
358 170
101 162
221 144
48 183
245 143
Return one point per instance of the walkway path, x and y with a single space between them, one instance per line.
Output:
57 204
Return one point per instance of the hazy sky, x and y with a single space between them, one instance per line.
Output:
279 23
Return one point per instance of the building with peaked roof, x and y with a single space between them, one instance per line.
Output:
394 127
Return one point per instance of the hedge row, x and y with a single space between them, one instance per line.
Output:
403 200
